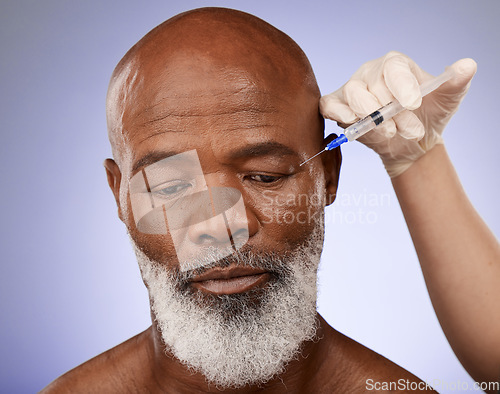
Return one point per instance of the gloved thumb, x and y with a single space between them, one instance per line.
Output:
464 69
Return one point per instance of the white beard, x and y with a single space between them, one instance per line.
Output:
231 339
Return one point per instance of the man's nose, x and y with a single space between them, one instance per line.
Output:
227 224
217 231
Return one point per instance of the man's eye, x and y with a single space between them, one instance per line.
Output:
265 178
172 191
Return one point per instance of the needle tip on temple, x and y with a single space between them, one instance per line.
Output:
320 152
332 145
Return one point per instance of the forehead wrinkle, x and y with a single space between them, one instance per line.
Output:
245 116
241 126
190 115
208 101
252 99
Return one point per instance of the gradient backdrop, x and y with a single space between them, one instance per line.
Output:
70 287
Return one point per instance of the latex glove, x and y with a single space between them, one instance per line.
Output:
409 135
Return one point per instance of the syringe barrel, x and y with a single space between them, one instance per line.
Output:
371 121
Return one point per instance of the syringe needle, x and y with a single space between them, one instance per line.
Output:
319 153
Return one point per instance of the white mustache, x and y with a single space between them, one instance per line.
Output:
271 262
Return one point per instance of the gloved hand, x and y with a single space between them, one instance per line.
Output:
409 135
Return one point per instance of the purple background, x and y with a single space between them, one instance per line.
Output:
70 287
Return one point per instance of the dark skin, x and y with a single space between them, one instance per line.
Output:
247 101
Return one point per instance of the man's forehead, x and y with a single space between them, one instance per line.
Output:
198 96
240 116
180 78
185 89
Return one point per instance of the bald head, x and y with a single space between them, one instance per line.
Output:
205 52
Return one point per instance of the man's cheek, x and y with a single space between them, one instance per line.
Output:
147 228
289 217
158 247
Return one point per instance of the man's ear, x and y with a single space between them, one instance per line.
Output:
332 159
114 179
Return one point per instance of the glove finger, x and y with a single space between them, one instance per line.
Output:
380 90
363 103
333 107
386 130
359 99
401 80
409 126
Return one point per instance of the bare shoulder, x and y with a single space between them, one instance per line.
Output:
360 369
108 372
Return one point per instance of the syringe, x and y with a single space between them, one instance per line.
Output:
363 126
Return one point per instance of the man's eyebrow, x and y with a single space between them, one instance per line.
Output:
151 158
263 149
254 150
